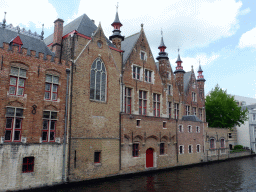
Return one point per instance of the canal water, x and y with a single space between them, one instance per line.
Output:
232 175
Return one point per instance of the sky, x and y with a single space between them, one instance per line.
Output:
220 34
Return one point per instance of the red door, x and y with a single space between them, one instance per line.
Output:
149 158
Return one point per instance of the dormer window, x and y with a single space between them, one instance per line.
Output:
148 76
193 96
143 55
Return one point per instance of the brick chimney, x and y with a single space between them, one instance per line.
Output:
57 37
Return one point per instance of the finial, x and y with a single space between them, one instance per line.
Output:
117 7
141 25
42 33
162 32
4 20
178 50
191 67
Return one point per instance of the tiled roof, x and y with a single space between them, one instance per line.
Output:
191 118
186 80
30 41
128 44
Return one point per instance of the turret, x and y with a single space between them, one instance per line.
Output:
200 81
179 74
116 37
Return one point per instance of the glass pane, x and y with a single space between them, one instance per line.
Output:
129 92
92 85
13 81
55 88
19 112
46 114
20 91
14 71
10 112
16 135
53 115
12 90
144 95
138 73
93 65
9 123
98 65
48 78
55 79
47 95
98 85
129 101
53 125
7 135
134 71
23 72
44 136
18 124
47 87
103 67
51 136
128 109
45 124
140 94
21 82
103 86
54 96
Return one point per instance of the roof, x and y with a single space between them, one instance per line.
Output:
247 100
116 19
162 43
186 80
31 41
128 44
191 118
178 59
83 25
200 69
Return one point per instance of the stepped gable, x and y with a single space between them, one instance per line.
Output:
30 41
190 118
83 25
186 79
128 44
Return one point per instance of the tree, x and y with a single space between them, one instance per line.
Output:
222 110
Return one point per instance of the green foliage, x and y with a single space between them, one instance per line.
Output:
222 110
237 150
238 147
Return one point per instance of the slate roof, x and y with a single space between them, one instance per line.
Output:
83 25
116 19
191 118
178 59
30 42
162 43
128 44
186 80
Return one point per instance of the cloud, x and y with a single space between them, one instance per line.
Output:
28 12
245 11
189 61
248 39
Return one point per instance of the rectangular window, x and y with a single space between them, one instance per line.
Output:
148 76
51 87
198 148
254 117
198 129
170 90
17 81
138 122
142 102
187 110
143 55
156 105
128 100
28 165
194 111
136 72
222 143
97 157
164 124
49 126
190 129
176 111
212 144
181 149
229 135
190 149
193 96
180 128
170 109
161 148
135 150
14 117
200 111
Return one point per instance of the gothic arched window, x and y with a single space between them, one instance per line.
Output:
98 81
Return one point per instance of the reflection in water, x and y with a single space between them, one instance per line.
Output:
234 175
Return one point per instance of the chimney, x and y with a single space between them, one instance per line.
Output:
57 37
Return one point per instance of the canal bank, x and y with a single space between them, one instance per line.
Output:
69 186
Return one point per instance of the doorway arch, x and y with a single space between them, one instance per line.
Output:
149 157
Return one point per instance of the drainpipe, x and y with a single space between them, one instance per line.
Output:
120 114
65 131
177 151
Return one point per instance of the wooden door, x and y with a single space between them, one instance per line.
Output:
149 157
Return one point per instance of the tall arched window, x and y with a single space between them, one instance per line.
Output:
98 81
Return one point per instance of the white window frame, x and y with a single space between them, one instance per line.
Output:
194 97
52 84
183 149
190 130
194 110
187 110
191 148
136 72
146 74
169 89
197 129
145 56
198 151
49 120
254 116
180 131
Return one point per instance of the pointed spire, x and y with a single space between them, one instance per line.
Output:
42 33
179 67
178 59
200 76
4 20
162 47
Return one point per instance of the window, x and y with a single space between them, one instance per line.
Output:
201 94
198 148
229 135
142 102
180 128
17 81
190 129
198 129
143 55
97 157
161 148
222 143
28 165
212 143
176 111
200 111
164 124
156 105
194 111
51 87
148 76
193 96
168 75
136 72
138 122
170 109
187 110
254 117
98 81
135 150
14 117
128 100
49 126
181 148
170 90
190 150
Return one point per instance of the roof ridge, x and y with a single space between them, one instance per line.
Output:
132 35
